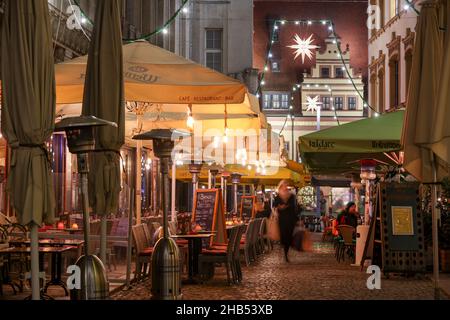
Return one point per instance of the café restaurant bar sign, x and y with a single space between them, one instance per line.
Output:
152 74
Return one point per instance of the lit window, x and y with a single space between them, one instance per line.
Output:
276 100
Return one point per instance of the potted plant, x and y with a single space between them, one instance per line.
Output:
444 227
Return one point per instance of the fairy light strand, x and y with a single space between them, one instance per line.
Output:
331 27
162 29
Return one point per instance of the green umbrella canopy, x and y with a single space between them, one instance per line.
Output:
336 149
104 98
28 107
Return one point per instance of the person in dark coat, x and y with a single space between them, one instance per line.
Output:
286 204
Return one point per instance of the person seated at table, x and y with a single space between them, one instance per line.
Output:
349 216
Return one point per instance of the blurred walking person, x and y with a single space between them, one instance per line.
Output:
286 204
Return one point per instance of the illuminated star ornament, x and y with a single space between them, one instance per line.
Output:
303 47
313 104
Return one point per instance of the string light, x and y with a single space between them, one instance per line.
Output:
339 55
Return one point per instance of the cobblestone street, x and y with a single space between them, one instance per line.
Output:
312 275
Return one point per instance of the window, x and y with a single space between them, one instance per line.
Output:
326 103
339 103
339 72
325 72
214 49
408 65
275 66
275 101
394 83
351 103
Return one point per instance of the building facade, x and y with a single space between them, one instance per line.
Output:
391 46
286 79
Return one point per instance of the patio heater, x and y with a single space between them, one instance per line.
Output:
214 172
166 273
367 176
224 184
235 180
80 140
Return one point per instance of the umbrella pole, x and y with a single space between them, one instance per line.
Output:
35 286
103 231
129 246
434 217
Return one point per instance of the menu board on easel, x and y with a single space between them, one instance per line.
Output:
248 207
208 213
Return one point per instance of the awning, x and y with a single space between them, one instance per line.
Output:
336 149
272 176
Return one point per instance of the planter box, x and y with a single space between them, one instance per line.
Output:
445 260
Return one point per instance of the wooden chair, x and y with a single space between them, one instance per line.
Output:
210 257
143 251
246 245
237 255
347 242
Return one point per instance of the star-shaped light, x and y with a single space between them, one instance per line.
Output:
303 47
313 104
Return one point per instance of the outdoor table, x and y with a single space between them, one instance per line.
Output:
51 243
56 264
195 248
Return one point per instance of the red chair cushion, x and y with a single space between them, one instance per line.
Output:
217 252
146 252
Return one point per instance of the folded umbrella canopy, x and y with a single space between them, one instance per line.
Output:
425 134
28 114
335 150
104 98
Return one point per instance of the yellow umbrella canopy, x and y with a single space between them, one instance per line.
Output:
242 119
155 75
250 175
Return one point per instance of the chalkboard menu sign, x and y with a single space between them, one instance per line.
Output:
208 213
248 207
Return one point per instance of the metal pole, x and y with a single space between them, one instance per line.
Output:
293 143
138 178
174 186
103 234
434 217
35 286
129 245
83 171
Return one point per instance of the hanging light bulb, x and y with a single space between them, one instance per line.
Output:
216 142
190 120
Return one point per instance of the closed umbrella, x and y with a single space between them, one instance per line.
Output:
441 132
420 120
104 98
28 114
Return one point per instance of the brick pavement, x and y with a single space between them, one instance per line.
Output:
314 275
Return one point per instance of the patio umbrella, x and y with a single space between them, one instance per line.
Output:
155 75
28 115
421 111
335 150
441 132
104 98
